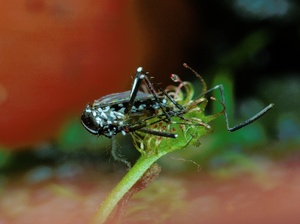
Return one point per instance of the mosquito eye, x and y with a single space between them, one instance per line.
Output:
89 123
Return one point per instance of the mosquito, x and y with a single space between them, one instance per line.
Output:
131 111
137 111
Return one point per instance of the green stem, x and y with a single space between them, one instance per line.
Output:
133 175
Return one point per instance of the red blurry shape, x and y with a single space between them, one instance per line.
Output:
55 57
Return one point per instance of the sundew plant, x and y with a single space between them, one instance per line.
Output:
178 121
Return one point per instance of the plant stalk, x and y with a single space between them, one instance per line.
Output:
133 175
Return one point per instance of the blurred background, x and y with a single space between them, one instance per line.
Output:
56 56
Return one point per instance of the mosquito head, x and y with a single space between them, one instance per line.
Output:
88 120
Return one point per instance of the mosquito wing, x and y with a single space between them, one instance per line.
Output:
120 98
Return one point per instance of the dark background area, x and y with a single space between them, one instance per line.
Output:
56 56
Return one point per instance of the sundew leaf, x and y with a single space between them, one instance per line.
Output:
188 127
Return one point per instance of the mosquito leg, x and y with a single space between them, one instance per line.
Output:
142 123
139 77
158 133
115 154
245 123
169 97
150 86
